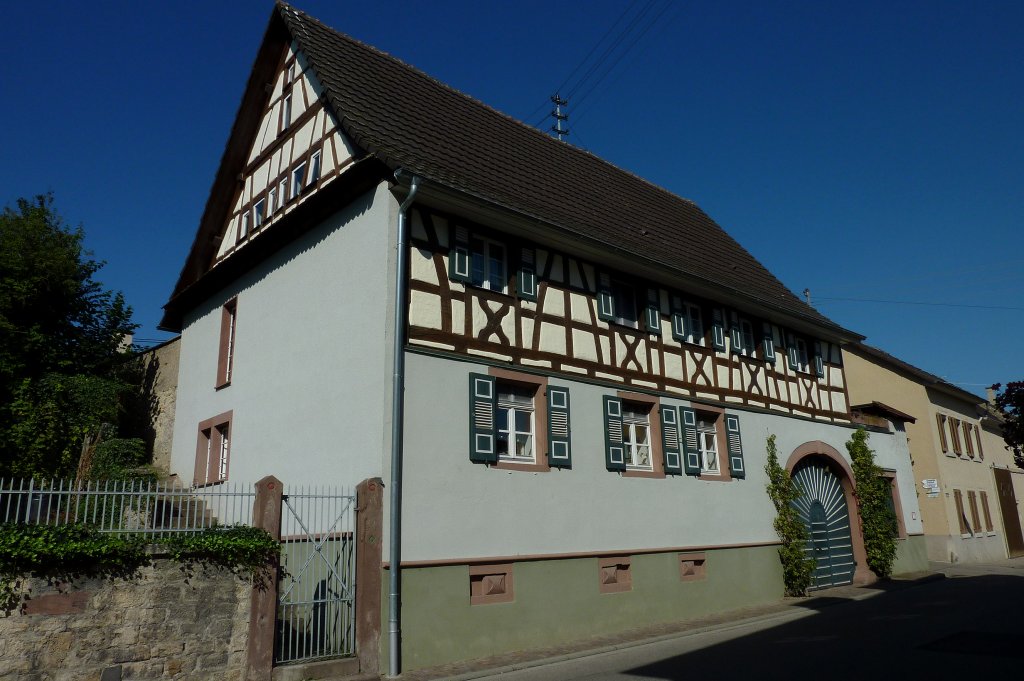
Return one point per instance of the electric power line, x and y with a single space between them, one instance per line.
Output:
917 302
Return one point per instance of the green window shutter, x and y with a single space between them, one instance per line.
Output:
678 319
670 440
605 299
483 403
768 344
691 451
614 448
526 278
819 363
791 352
718 330
559 451
458 253
652 312
732 436
735 334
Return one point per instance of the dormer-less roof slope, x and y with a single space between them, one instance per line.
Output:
409 120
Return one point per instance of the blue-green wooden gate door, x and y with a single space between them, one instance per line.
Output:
822 508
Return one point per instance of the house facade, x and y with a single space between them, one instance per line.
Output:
589 366
966 483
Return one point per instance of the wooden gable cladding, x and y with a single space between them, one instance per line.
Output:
559 329
297 149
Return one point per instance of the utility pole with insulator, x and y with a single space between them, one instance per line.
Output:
560 118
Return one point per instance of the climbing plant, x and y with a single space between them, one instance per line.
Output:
64 553
873 496
797 568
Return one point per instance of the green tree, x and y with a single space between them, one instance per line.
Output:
62 368
873 496
1011 403
797 568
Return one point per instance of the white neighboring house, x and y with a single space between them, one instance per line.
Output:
592 365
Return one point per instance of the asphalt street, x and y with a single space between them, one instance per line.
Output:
954 628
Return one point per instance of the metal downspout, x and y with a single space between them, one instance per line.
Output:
397 415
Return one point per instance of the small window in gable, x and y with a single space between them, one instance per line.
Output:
298 179
747 335
314 167
245 226
259 213
283 191
272 198
802 363
286 112
624 299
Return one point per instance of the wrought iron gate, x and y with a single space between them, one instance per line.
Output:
316 603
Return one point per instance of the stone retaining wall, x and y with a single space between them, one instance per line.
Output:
157 627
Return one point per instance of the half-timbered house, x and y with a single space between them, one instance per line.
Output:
588 365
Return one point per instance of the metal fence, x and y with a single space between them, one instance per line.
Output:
125 507
316 601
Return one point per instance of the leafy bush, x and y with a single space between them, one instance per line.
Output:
873 495
797 568
121 459
64 553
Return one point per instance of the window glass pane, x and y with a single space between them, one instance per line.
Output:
643 456
625 303
503 418
314 173
522 421
477 262
496 267
524 446
502 444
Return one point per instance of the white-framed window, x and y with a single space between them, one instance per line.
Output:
314 167
298 179
283 191
487 265
259 213
213 450
286 115
747 337
694 324
291 74
272 204
802 362
707 443
246 225
636 436
624 297
516 423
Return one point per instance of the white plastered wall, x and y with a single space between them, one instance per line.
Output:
455 509
310 387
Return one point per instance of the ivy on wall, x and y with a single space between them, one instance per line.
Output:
873 494
64 553
797 568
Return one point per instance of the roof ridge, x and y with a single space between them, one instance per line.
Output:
510 118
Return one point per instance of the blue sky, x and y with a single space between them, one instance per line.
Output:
864 150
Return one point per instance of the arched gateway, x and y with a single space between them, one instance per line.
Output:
828 510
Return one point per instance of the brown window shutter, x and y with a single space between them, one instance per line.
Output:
954 435
972 499
958 499
226 351
968 446
988 514
977 438
940 420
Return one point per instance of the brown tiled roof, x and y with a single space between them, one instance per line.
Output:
410 120
406 119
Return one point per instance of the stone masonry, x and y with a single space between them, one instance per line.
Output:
161 626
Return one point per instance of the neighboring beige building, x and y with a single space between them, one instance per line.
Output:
159 388
967 485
